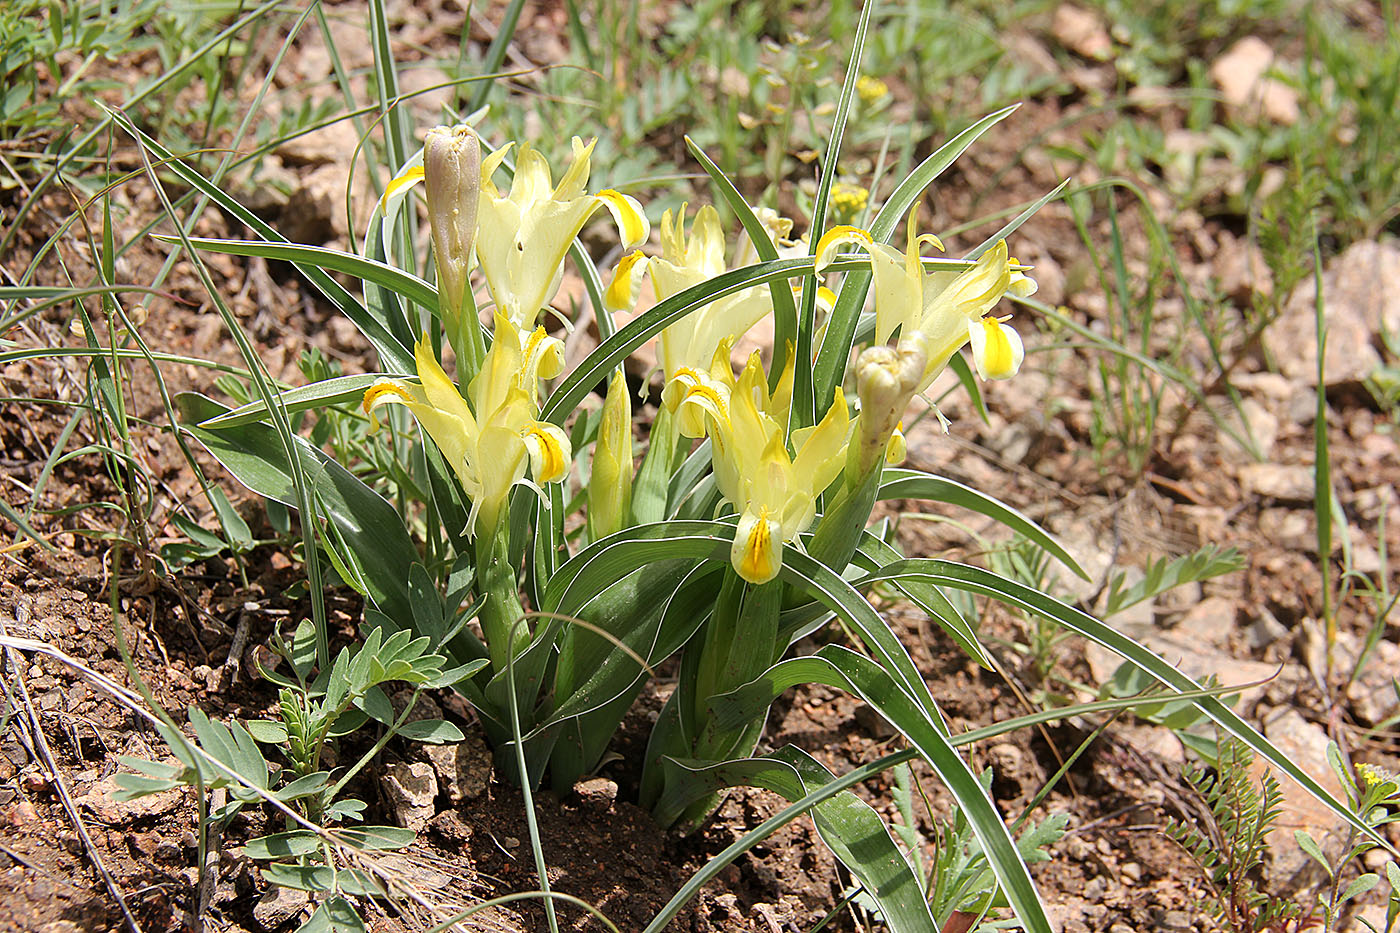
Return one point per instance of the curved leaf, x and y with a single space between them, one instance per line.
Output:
915 484
849 826
394 279
338 391
376 545
977 580
837 340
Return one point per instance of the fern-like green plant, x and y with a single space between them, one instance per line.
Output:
1229 848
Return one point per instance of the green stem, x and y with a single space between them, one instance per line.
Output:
497 584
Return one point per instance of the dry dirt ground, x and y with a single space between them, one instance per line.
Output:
193 633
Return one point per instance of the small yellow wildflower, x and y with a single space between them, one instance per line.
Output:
871 89
848 200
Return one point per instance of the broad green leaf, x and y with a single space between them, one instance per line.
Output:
336 915
293 844
431 731
379 547
321 878
304 786
267 731
876 553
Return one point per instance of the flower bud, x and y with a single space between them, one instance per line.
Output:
610 485
886 380
452 172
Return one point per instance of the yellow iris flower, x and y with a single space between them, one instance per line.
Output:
688 346
489 442
522 235
943 310
775 492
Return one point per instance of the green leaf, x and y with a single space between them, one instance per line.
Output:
915 484
875 553
841 667
1360 885
784 308
393 355
336 915
321 878
342 390
1309 845
849 826
377 838
431 731
396 280
977 580
839 337
305 786
293 844
266 731
1161 575
379 548
599 365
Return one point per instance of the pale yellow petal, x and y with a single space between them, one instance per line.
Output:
627 212
550 452
839 236
400 185
626 285
996 348
757 552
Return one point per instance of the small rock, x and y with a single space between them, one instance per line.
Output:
1177 920
1305 745
330 145
423 705
1372 695
1266 630
1192 659
1241 76
410 788
597 790
278 906
1290 529
1284 482
21 814
1241 270
1157 741
1361 294
1081 31
1209 622
100 803
1131 872
315 211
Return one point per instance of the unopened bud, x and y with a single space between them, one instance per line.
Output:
610 485
886 379
452 173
